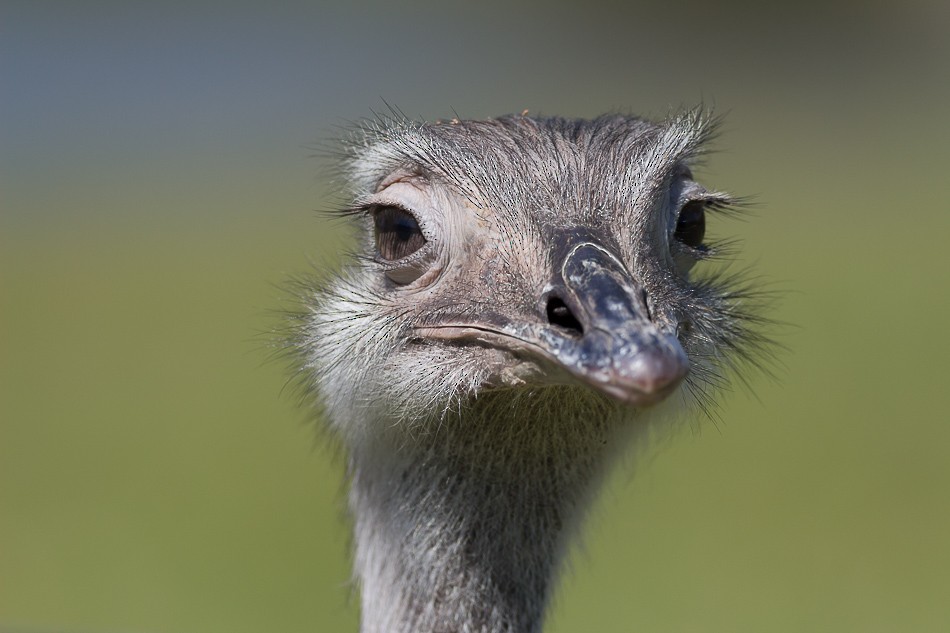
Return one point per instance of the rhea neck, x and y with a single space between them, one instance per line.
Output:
461 525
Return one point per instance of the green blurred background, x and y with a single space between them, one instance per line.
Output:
156 188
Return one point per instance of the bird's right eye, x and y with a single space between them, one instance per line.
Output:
397 233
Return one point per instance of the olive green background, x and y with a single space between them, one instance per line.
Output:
157 188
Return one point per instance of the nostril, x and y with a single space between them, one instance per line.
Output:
560 315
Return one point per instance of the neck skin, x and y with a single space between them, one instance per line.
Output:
462 525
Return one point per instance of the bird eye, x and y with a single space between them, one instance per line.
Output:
691 224
397 233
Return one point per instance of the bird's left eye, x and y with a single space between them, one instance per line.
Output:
397 233
691 224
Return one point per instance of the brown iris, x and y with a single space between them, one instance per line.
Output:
397 233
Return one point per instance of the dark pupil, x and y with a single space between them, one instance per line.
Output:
397 233
691 225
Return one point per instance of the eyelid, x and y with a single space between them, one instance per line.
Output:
417 202
409 268
371 203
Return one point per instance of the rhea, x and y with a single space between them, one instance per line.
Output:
522 308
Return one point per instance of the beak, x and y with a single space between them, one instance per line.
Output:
596 327
610 342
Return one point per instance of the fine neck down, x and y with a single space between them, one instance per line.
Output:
462 525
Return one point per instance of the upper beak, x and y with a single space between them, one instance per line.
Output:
614 345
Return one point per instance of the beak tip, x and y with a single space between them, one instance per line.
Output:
646 379
654 372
